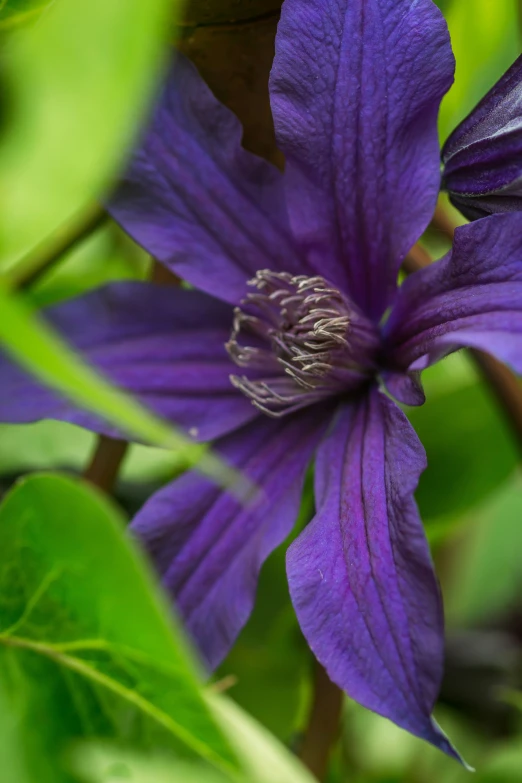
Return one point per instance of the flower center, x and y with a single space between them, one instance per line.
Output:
299 340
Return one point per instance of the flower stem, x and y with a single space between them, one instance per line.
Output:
442 222
324 724
105 463
502 382
48 253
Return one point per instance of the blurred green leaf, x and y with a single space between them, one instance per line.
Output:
488 579
504 764
262 756
52 445
88 647
79 81
469 447
105 764
485 40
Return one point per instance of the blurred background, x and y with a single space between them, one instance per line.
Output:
66 118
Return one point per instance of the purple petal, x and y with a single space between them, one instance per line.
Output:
197 201
483 155
361 576
356 87
405 387
209 547
163 344
472 297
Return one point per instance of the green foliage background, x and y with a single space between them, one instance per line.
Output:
97 682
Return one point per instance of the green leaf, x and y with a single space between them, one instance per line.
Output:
79 82
88 646
470 450
32 343
489 574
484 36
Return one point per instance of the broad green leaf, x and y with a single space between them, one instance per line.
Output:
88 646
32 343
469 447
79 80
485 40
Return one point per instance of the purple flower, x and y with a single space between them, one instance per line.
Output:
483 156
283 352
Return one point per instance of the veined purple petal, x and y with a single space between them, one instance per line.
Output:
163 344
212 212
209 547
472 297
356 86
483 156
361 577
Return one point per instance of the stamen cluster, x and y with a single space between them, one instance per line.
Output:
305 342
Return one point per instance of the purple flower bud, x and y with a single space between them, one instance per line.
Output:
483 156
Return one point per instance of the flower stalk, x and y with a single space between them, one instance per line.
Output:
324 722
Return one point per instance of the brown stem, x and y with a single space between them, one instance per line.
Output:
324 724
48 253
442 222
416 259
106 462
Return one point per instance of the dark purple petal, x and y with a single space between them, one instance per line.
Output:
356 87
472 297
212 212
361 576
483 156
209 547
163 344
404 386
